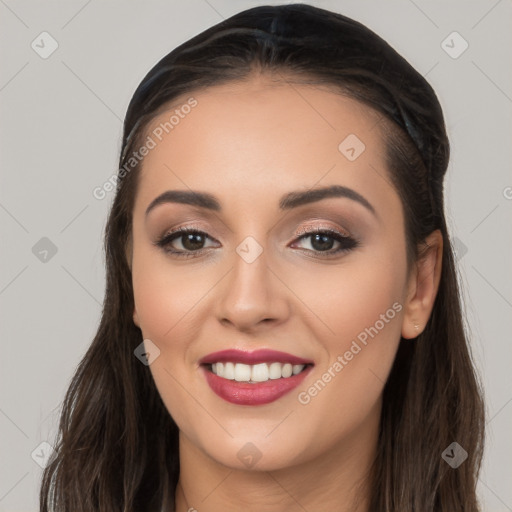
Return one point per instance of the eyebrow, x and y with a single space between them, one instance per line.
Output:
287 202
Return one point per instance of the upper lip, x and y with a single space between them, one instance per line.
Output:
254 357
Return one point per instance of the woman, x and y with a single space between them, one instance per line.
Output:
282 327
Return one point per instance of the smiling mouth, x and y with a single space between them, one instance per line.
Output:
255 373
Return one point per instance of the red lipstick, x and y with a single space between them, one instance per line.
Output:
249 393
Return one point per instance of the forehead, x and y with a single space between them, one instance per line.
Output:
262 137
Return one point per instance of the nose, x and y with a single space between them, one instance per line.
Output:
252 296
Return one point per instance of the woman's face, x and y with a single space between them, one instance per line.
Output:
254 282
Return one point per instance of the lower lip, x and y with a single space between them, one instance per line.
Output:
244 393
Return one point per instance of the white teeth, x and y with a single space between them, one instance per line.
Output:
261 372
229 371
297 368
242 372
275 370
287 370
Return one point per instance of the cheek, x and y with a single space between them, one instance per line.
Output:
166 301
165 295
157 301
346 299
360 308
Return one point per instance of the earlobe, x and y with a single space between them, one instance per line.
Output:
423 286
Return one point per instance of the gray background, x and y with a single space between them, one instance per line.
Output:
60 137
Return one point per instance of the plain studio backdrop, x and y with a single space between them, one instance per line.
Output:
67 73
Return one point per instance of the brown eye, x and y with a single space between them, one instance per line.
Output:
192 241
184 242
323 242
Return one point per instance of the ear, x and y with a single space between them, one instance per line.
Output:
423 286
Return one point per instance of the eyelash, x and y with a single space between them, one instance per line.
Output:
347 243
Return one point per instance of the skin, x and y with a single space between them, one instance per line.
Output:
248 144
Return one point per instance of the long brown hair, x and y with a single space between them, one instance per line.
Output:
117 446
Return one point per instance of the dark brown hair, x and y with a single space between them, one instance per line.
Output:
117 447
